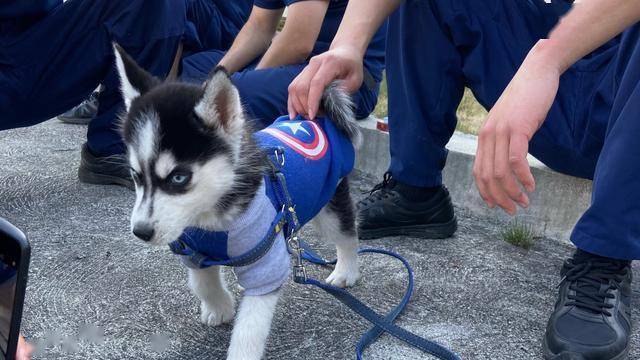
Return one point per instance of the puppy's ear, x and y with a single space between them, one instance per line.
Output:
134 80
220 105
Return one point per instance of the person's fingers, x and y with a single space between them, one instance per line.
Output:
477 170
496 194
502 173
297 106
324 76
293 101
25 350
291 109
299 87
518 149
501 198
485 151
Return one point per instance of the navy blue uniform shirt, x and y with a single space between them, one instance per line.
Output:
374 57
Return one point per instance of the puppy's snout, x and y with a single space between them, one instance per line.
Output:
143 231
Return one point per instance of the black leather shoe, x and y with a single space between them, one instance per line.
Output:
592 316
104 170
386 212
83 113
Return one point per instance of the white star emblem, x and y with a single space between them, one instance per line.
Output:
295 126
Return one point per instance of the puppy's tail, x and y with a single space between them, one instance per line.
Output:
338 107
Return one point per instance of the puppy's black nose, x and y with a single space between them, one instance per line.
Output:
143 231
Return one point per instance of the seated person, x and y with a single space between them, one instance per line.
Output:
53 54
263 63
578 116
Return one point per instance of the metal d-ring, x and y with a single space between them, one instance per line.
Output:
279 155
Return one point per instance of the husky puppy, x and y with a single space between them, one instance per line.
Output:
197 164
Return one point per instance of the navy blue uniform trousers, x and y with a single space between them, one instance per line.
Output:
264 92
54 63
437 47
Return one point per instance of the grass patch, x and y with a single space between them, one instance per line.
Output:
519 234
381 109
470 113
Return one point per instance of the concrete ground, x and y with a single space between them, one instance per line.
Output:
475 293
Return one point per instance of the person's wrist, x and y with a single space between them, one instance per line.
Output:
549 54
223 64
357 48
230 69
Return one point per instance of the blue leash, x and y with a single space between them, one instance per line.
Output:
303 252
382 324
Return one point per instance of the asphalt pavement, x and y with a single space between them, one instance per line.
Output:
97 293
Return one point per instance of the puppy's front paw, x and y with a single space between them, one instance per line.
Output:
344 277
217 314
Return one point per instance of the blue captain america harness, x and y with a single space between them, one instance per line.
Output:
287 221
315 166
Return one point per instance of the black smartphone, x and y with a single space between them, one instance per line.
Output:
14 266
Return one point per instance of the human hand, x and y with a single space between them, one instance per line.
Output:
24 350
305 91
501 169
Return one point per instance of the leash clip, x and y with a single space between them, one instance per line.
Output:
299 272
279 153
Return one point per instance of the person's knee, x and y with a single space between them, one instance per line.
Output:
258 105
191 72
167 19
196 67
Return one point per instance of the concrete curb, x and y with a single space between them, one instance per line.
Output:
556 205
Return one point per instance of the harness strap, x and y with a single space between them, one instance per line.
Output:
313 257
286 220
196 260
278 181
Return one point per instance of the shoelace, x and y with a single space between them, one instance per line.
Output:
586 279
381 190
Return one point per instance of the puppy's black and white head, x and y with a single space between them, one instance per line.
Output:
183 144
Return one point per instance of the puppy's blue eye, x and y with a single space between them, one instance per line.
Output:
179 178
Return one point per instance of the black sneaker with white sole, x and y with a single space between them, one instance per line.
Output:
390 211
104 170
592 316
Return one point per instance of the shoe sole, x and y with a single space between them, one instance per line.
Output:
549 355
74 121
88 177
428 231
